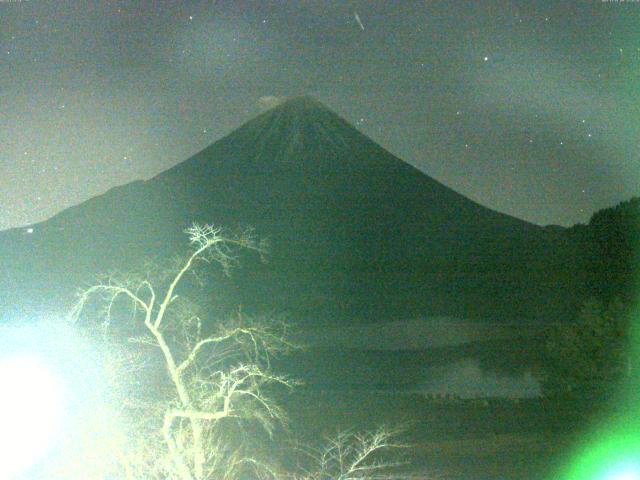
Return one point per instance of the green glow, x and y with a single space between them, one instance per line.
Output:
611 455
612 449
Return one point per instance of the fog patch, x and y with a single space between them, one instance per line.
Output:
465 379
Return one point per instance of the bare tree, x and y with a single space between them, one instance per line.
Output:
353 456
217 374
213 376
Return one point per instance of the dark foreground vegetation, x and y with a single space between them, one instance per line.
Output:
452 438
221 381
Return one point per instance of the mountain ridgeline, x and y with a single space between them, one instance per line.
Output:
356 234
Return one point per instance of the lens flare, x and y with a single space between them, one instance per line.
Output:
611 449
31 410
624 472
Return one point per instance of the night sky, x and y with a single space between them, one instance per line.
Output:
528 107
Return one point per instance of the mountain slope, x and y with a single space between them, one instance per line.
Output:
356 233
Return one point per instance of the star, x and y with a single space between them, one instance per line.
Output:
486 59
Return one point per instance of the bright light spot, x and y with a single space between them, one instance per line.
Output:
624 476
631 474
31 409
629 470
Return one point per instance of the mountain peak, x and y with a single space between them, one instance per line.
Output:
301 107
301 102
297 127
